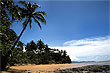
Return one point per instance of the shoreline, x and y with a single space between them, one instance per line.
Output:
48 68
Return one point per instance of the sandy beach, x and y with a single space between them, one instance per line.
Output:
48 68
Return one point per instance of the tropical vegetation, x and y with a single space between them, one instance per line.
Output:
39 53
12 49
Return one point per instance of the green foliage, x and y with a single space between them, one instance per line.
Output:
39 53
6 39
28 12
11 48
6 43
9 12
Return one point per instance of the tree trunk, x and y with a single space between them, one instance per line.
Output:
4 59
18 37
9 52
3 62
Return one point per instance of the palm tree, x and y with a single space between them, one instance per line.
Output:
28 12
40 46
9 12
31 46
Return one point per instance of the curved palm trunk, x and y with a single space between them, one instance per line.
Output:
5 58
17 42
18 37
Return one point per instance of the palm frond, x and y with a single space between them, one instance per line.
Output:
23 3
30 23
23 12
29 4
34 6
41 18
22 9
41 12
29 8
37 22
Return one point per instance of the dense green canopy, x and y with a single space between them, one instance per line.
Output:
39 53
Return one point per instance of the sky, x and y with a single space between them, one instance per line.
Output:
79 27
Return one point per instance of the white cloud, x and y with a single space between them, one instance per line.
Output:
87 47
89 41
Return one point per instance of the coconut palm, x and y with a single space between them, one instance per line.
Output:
27 13
40 46
31 46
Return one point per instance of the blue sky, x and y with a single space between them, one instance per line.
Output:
67 21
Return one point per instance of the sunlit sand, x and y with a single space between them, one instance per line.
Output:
47 67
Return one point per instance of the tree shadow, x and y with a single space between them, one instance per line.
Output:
16 71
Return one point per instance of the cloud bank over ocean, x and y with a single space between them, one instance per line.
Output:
96 48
